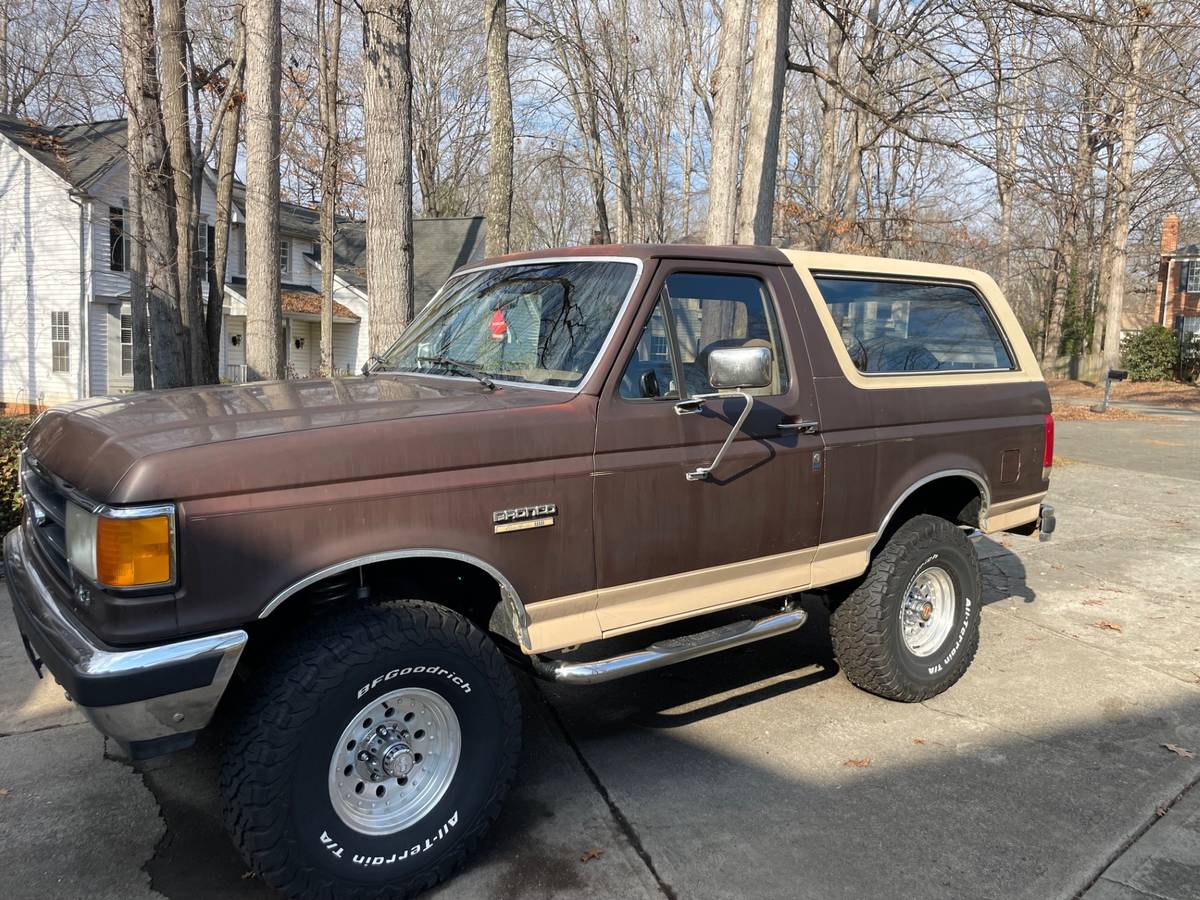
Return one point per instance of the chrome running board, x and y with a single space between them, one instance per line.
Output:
670 651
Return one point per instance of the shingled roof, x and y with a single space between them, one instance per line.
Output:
80 154
439 247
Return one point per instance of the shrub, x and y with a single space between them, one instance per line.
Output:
1189 357
1151 354
12 432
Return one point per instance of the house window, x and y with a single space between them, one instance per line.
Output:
126 344
1191 276
118 246
60 342
285 257
202 242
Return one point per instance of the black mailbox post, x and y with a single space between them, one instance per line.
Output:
1113 375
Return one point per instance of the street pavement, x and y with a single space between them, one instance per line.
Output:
1061 766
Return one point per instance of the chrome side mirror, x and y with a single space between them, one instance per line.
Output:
739 368
732 371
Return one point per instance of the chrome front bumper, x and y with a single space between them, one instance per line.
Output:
151 700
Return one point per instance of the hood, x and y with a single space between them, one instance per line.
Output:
156 445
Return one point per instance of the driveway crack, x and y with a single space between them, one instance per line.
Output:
622 822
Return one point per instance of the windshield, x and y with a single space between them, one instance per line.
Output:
540 323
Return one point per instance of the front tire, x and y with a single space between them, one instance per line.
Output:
375 756
910 629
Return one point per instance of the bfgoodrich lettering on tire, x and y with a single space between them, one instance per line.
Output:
375 756
911 628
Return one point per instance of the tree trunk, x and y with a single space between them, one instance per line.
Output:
173 39
231 117
756 210
329 42
157 240
387 112
500 127
264 316
687 170
727 82
135 241
1130 101
831 120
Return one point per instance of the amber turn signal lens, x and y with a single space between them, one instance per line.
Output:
132 552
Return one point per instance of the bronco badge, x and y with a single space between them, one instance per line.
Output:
524 517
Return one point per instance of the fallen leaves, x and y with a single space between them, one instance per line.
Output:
1180 751
1105 625
1095 601
590 854
3 792
918 740
856 763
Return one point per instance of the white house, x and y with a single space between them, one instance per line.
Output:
64 291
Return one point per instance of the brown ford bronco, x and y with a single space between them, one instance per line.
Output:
564 447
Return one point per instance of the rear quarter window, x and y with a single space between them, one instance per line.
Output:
908 326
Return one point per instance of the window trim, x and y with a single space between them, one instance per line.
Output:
285 257
779 337
945 282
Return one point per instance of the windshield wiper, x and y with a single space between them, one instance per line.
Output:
465 368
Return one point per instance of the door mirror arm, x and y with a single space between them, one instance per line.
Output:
694 405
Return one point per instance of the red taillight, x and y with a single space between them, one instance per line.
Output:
1048 453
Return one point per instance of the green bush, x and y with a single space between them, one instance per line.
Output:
1189 357
1151 354
12 432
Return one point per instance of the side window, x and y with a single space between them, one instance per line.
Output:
60 342
897 326
715 311
649 374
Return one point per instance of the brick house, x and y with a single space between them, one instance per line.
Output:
1178 289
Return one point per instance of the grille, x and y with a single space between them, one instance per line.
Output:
47 505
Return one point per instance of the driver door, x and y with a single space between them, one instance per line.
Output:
667 547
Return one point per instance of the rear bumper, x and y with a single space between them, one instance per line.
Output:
151 700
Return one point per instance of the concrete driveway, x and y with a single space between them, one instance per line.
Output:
762 772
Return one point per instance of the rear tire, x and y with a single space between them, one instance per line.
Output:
375 756
910 629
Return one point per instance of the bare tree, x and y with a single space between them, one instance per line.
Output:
329 47
264 317
176 81
387 109
1119 237
230 112
150 168
727 88
500 122
757 205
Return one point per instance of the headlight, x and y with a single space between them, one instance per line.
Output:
123 547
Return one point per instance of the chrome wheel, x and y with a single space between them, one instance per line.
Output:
394 761
927 613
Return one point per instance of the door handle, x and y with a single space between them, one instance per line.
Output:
810 427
